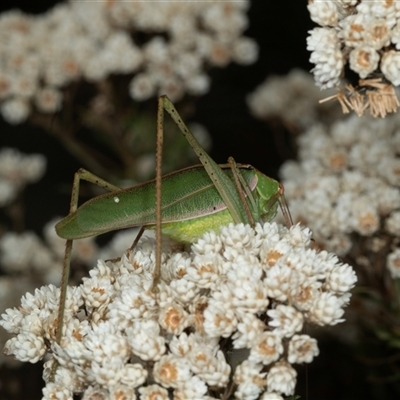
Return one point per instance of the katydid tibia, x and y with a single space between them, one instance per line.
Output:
193 201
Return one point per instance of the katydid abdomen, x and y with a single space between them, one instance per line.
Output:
191 205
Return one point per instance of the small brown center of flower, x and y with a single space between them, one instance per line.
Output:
272 257
201 357
396 263
355 31
71 67
76 333
304 295
206 268
264 348
338 161
119 395
368 222
169 372
156 395
258 381
172 318
304 348
4 86
379 31
181 272
363 58
98 290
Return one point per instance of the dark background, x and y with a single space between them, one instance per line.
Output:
280 29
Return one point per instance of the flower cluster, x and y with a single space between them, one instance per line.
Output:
125 339
16 171
346 184
292 98
166 45
364 35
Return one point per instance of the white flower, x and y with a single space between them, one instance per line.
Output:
180 346
248 328
48 100
219 319
173 318
390 66
142 87
281 378
266 348
324 13
210 243
378 33
24 86
249 295
104 342
392 223
353 29
302 348
7 193
389 169
364 60
326 310
193 388
341 279
15 111
393 263
12 320
210 366
395 38
122 391
286 320
20 169
365 218
133 375
55 391
250 380
20 252
64 377
205 270
145 340
197 84
97 291
245 51
94 392
280 281
171 371
26 347
153 392
184 289
271 396
326 55
129 305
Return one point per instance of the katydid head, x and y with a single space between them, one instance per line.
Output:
272 193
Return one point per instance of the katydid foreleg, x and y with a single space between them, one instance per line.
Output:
85 175
242 185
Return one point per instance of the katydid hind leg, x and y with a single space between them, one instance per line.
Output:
224 185
160 138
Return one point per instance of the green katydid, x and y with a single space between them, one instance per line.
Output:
194 200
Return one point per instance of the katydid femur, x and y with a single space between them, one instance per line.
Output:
193 200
